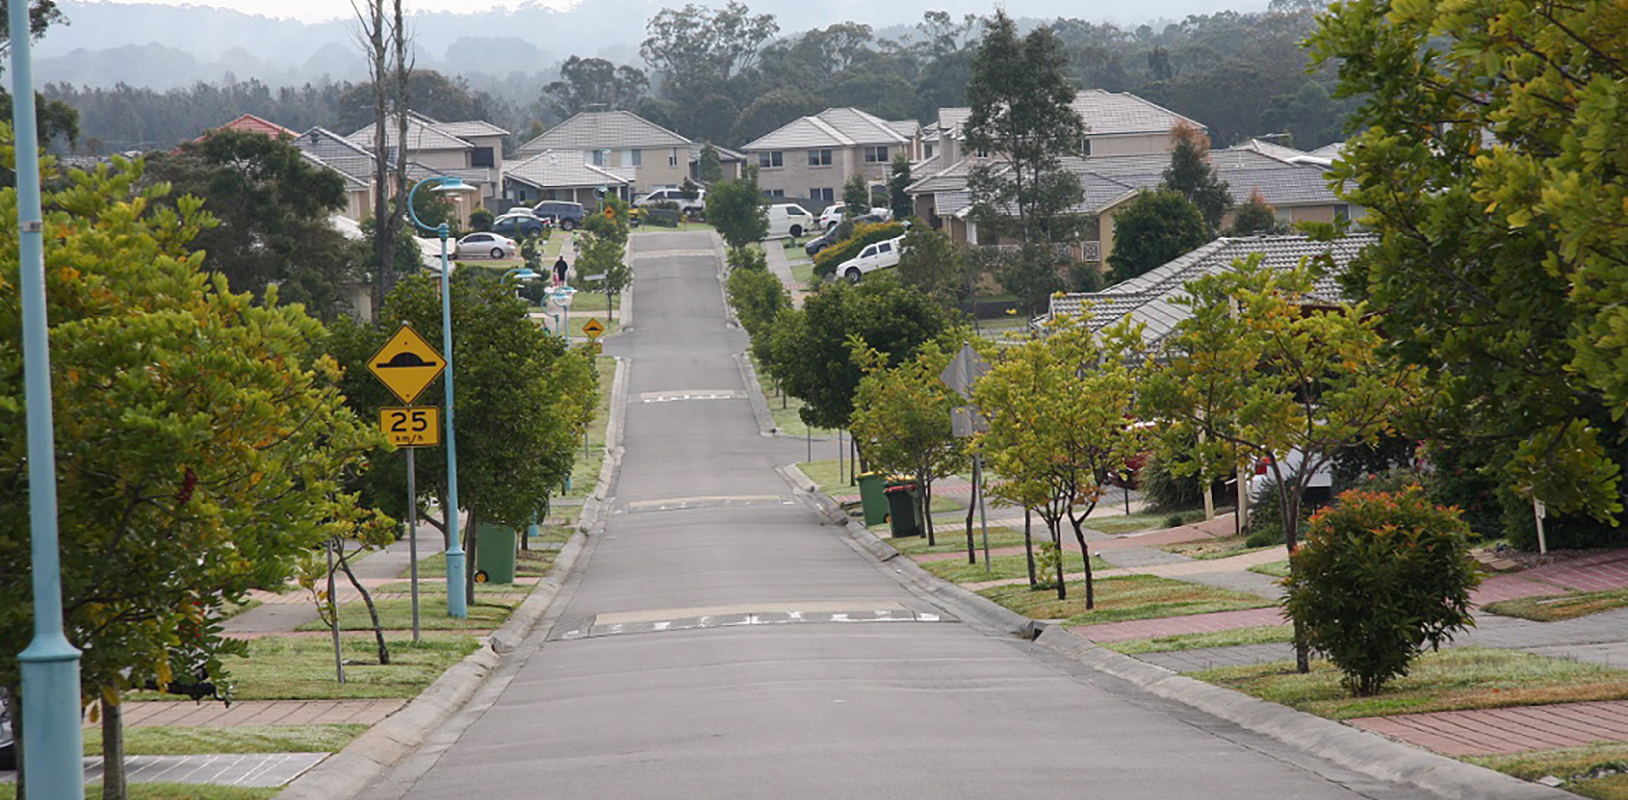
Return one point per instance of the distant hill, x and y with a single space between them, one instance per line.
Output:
165 46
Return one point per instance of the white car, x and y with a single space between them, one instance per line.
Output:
685 204
789 219
832 216
875 256
485 245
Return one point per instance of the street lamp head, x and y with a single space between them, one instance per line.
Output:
448 183
523 273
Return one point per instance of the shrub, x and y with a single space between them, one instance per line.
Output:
826 261
1379 578
1046 555
1163 490
757 297
747 258
1266 515
480 219
1175 521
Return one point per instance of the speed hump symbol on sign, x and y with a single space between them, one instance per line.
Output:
407 364
593 328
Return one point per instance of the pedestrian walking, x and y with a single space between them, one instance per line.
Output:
560 268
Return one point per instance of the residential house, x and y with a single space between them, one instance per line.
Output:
650 155
470 150
813 157
249 123
354 163
1151 299
564 175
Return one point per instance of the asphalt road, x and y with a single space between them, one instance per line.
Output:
719 640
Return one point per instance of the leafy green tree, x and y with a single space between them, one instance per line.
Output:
1154 229
273 205
1190 174
202 440
1022 111
711 169
1380 578
901 421
587 84
1264 382
735 208
856 196
1060 411
1492 165
812 348
1254 218
930 262
480 220
759 298
897 183
603 255
701 55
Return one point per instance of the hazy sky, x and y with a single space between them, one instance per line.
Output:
321 10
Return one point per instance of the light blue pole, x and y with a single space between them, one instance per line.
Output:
457 607
53 744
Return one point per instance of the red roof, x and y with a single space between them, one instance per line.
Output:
249 123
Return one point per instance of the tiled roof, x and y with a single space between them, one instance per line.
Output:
603 130
833 127
1293 186
951 203
953 177
1150 298
471 127
1121 113
724 153
423 133
249 123
1265 148
950 120
353 181
908 128
568 169
927 166
1328 150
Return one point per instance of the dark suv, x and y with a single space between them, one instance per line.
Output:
568 216
518 224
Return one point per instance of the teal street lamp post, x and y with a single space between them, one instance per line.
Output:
53 742
457 602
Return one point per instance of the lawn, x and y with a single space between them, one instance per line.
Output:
528 564
825 475
803 273
170 791
396 614
1451 680
959 571
1550 608
187 741
954 539
1276 569
302 667
585 472
783 409
1123 598
1577 766
1264 634
1132 523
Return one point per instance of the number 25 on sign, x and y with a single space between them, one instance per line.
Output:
411 426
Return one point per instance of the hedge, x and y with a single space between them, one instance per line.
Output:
826 261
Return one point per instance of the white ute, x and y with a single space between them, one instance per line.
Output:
875 256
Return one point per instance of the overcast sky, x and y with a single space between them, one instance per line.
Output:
322 10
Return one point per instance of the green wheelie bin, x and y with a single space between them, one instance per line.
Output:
901 503
871 498
494 553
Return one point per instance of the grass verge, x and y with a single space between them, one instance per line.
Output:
1264 634
1123 598
528 564
1554 607
1584 769
954 540
585 472
1451 680
1276 569
170 791
1133 523
1002 568
302 667
396 614
188 741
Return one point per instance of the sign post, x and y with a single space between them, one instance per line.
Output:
963 371
407 365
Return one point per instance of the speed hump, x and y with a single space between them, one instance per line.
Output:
406 364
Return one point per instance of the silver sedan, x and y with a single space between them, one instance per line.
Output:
485 245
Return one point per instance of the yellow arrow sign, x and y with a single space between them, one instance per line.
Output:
592 328
413 426
407 364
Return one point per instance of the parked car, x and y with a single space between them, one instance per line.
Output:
822 241
789 219
832 216
519 224
566 215
484 245
689 205
875 256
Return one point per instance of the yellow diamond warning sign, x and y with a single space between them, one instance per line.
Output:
407 364
592 328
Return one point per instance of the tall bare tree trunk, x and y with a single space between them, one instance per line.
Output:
373 41
1028 542
113 776
1055 528
367 599
1085 555
399 76
471 541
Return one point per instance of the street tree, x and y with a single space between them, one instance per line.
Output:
1254 218
898 183
1023 114
856 197
812 347
273 205
1060 412
202 441
735 208
1156 228
1191 174
710 168
601 254
1253 376
1492 164
930 261
901 422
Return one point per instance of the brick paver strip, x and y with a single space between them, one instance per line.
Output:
1495 731
1171 626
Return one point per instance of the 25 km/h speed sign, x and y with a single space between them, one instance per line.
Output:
411 426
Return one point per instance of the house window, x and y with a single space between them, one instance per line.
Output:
1085 147
983 152
823 195
876 155
635 158
672 156
927 151
481 157
599 158
1342 212
771 159
775 192
819 158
